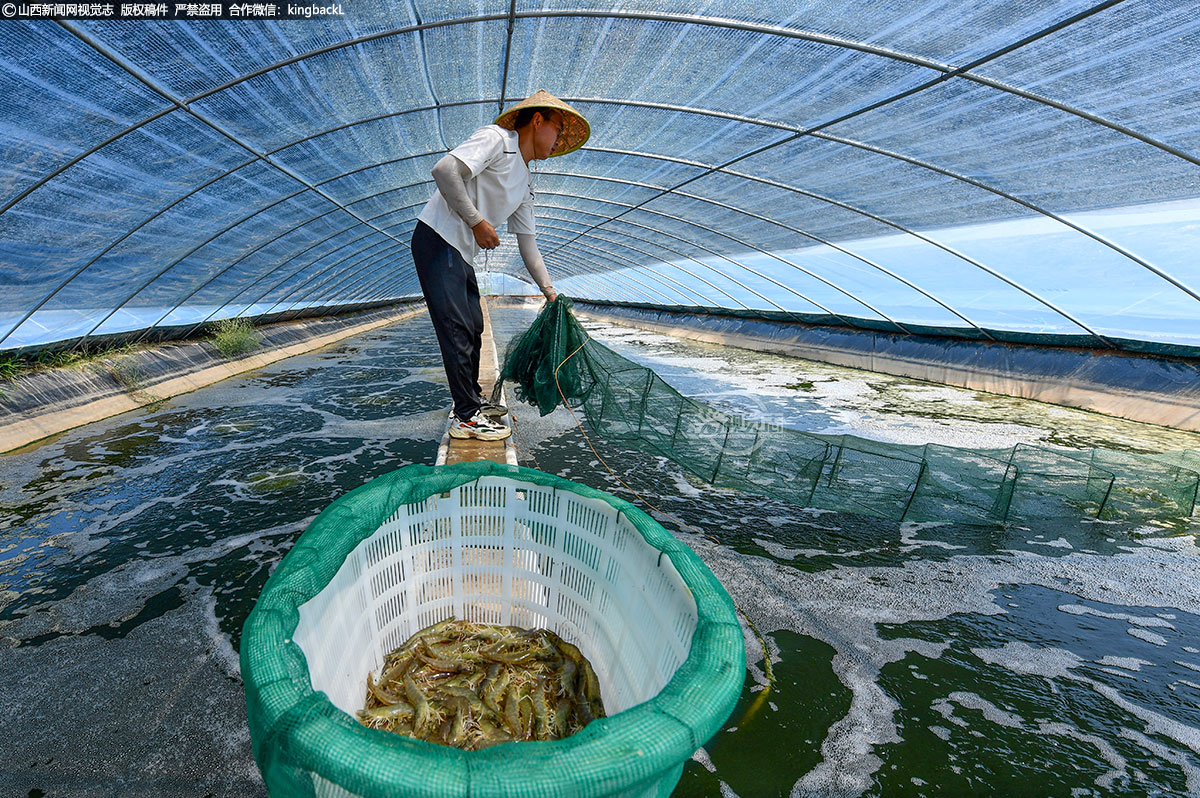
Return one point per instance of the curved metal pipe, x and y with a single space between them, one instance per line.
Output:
153 86
619 270
644 267
818 197
656 257
768 253
687 19
543 206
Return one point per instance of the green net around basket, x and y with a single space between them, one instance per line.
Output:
496 544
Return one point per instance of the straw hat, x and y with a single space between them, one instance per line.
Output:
576 129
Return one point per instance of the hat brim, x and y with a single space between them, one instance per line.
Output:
576 130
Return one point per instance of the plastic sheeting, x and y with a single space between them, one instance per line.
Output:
1028 166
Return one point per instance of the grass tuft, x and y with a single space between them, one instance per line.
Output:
235 337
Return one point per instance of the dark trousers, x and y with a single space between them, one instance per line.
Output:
452 296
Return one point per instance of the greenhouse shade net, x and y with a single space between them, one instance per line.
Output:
306 746
995 169
1022 484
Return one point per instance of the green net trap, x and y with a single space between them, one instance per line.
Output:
1024 484
494 544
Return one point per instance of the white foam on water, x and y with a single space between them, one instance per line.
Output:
843 605
1059 543
1136 620
909 540
120 593
990 712
1149 637
684 487
1000 717
1188 665
1128 663
1022 658
702 758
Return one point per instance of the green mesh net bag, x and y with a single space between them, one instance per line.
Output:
492 544
532 359
1025 485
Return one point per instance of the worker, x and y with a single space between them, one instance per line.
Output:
482 183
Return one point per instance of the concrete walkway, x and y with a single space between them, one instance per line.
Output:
457 450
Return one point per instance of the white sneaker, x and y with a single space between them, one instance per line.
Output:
479 427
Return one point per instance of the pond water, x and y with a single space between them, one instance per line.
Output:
904 659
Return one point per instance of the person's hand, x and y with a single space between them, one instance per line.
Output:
485 235
551 294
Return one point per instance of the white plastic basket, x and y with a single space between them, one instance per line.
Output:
503 551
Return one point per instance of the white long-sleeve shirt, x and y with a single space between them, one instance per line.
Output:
485 177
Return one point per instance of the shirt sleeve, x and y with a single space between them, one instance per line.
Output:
483 147
521 221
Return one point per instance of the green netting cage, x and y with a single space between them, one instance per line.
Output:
491 544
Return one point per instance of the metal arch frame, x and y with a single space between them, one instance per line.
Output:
995 274
512 11
364 259
411 185
722 255
365 168
687 19
323 275
650 255
725 257
1030 293
826 242
814 132
216 275
1012 198
362 263
643 266
300 226
712 252
731 172
262 276
655 275
244 289
290 259
420 44
327 273
771 221
768 253
402 188
883 220
741 265
216 179
543 207
620 271
1033 295
762 29
152 85
888 53
408 276
173 263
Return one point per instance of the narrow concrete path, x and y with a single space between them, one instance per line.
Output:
457 450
